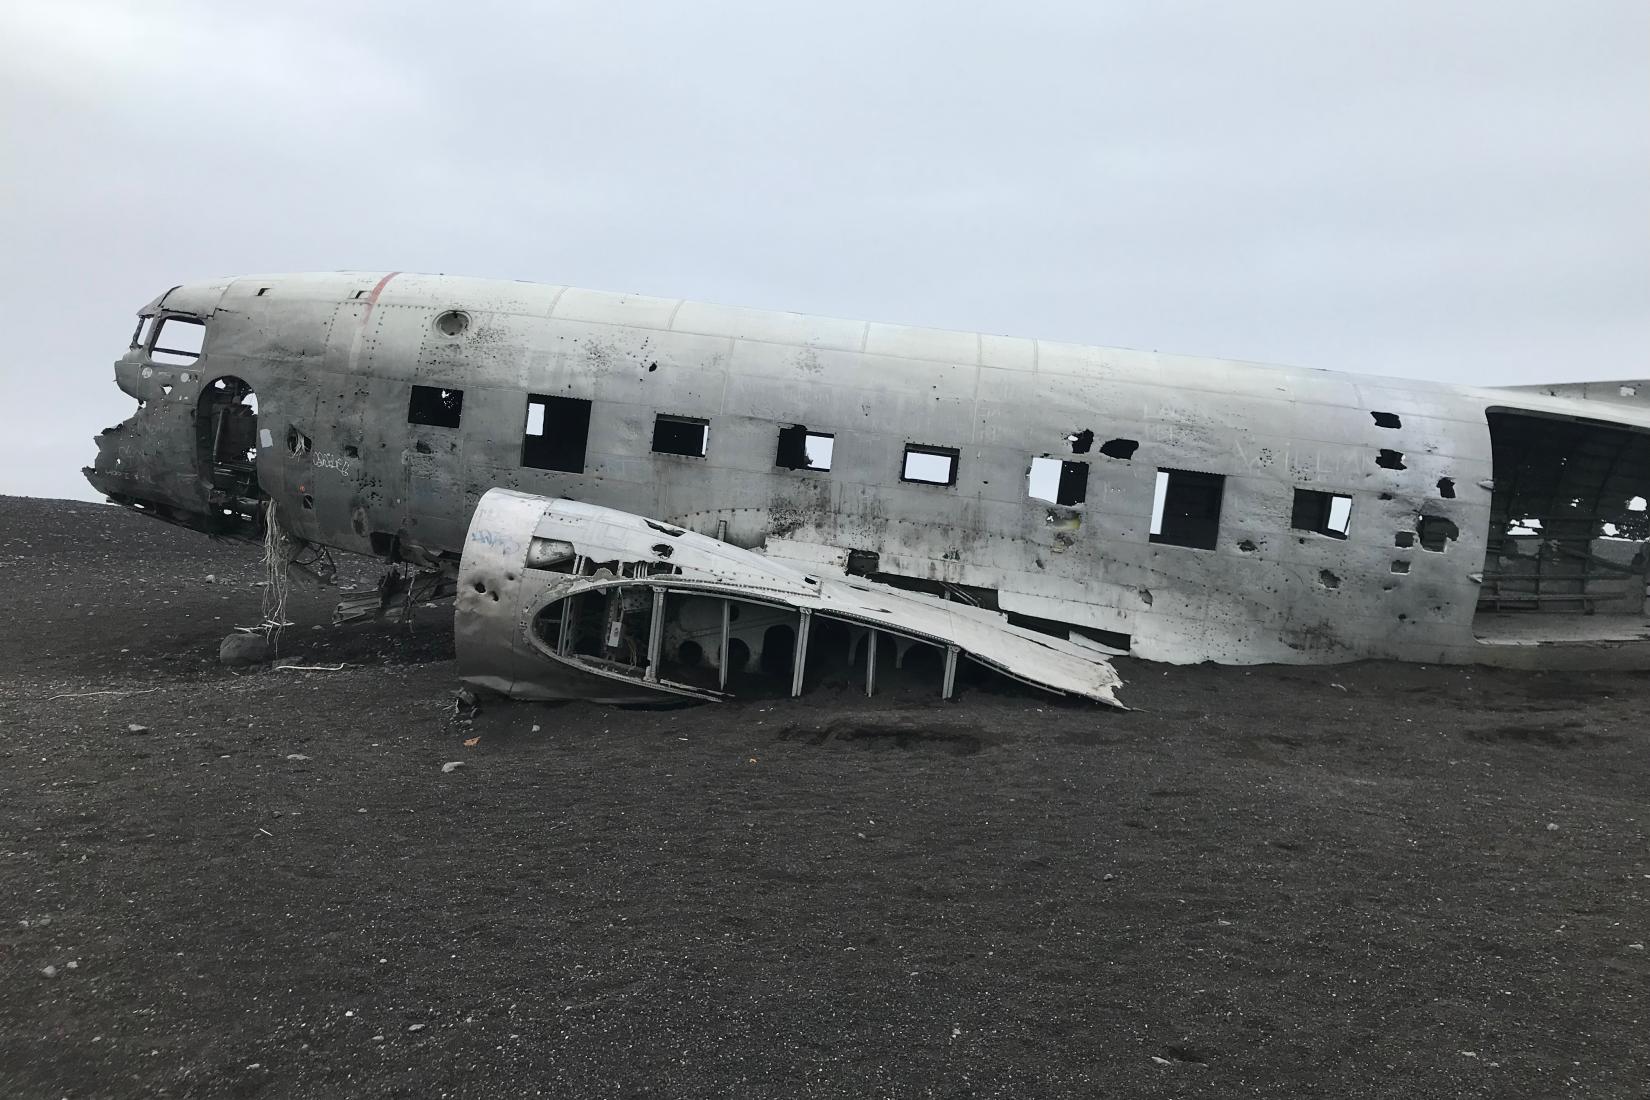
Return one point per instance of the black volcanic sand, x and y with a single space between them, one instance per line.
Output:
1370 880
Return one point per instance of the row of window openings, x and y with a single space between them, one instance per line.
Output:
1185 506
1186 512
558 428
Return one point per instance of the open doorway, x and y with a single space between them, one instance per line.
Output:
1566 553
226 447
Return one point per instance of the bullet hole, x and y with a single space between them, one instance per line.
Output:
1248 546
1081 441
1386 496
1387 420
352 452
651 367
1446 488
1404 540
479 587
1390 459
1119 448
1328 579
422 447
1400 567
662 549
1146 596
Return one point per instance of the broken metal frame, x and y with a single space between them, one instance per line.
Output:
662 587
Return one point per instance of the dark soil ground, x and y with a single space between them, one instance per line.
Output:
1371 880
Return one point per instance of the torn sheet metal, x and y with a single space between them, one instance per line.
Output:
559 599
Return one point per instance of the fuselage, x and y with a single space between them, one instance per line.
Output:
1188 509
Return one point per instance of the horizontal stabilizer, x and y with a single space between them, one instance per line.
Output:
1628 392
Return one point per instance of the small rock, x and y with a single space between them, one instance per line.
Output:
49 971
296 757
211 578
240 649
1161 1061
415 1027
452 766
1552 826
133 727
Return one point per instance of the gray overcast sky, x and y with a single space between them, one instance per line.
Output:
1458 191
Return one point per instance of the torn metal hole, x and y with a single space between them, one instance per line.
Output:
1120 448
1436 533
1390 459
1387 420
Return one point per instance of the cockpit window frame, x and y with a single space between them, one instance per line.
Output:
183 358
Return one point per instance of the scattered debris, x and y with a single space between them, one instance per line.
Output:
296 757
89 694
49 971
133 727
472 742
240 649
452 766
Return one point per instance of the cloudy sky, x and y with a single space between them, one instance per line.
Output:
1458 191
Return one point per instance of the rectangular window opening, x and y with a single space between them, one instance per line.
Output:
930 465
555 434
177 340
1058 482
1322 513
681 435
1186 508
800 449
435 406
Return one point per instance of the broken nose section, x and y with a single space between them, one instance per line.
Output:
562 600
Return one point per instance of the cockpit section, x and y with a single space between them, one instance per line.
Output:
188 454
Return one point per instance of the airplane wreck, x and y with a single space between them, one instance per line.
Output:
640 498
